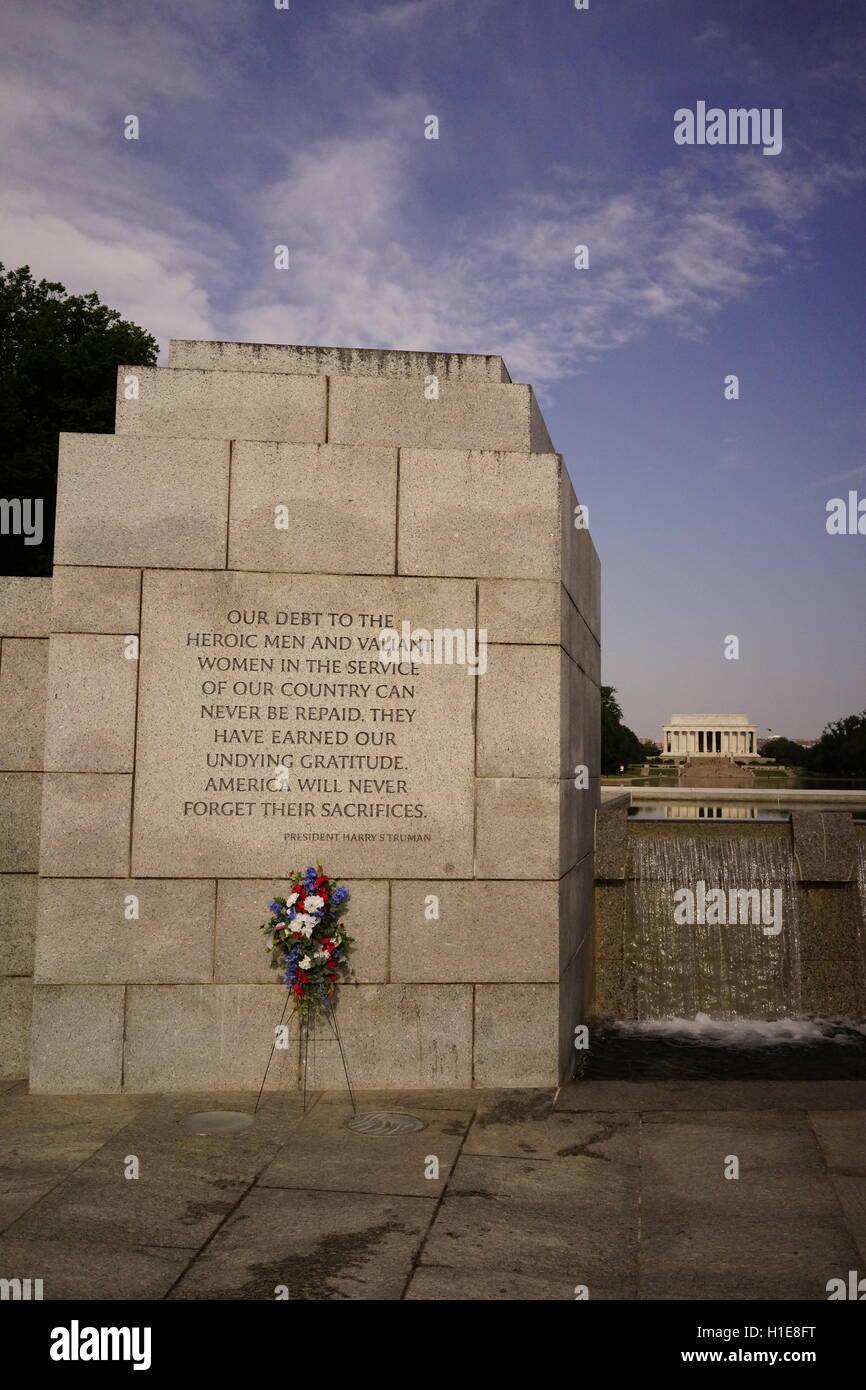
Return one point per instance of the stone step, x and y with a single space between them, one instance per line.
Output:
280 407
335 361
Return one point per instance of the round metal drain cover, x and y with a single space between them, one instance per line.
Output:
383 1123
218 1122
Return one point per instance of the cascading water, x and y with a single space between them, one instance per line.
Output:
727 970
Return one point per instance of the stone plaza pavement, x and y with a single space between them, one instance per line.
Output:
620 1187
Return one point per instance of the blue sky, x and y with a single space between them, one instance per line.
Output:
305 127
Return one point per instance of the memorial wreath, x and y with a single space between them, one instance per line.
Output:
307 942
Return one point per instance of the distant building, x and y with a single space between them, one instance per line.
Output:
709 736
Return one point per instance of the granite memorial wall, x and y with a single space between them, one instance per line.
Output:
221 706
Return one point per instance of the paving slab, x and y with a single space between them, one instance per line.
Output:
540 1132
842 1137
567 1222
851 1193
336 1159
782 1175
438 1284
427 1099
93 1271
45 1138
775 1231
715 1258
163 1206
713 1095
317 1245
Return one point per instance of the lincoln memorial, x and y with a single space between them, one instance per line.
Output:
709 736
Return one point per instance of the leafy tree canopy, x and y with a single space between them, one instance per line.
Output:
619 745
841 749
783 751
59 355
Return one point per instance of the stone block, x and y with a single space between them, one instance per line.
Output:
502 514
397 1036
91 599
577 639
15 1004
576 893
579 719
243 903
433 748
20 800
504 808
18 897
516 1034
614 981
830 921
581 568
577 811
206 1037
331 361
453 947
85 825
612 843
525 611
86 937
178 404
25 606
341 506
465 416
518 713
77 1038
825 846
575 990
833 988
92 686
23 668
142 502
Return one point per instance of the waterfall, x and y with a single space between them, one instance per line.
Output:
726 971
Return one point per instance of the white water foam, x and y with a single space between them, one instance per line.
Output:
744 1032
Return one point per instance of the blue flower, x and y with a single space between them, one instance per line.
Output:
275 907
340 896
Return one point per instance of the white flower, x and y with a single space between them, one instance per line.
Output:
305 963
293 898
322 954
304 924
337 940
313 903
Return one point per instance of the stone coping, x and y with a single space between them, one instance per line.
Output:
814 800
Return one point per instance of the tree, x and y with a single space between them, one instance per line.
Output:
783 751
841 749
59 355
619 745
651 749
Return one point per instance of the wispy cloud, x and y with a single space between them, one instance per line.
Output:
673 249
377 259
830 478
